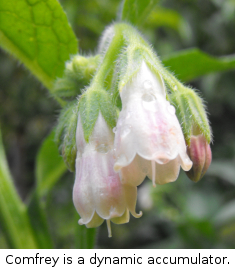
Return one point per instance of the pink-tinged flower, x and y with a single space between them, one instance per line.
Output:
148 140
200 153
98 193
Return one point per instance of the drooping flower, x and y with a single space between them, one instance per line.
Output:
199 152
148 140
98 193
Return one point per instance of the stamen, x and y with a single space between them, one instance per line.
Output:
153 172
109 227
120 175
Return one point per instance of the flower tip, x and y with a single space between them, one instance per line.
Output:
187 165
137 215
80 222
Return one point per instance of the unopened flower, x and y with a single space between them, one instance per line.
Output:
148 140
98 193
199 152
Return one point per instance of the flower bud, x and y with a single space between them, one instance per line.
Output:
78 73
199 152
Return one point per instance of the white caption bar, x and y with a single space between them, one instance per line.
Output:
126 259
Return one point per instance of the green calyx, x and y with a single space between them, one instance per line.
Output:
65 136
191 113
91 103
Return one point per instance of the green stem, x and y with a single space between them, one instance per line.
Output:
39 223
109 60
133 40
84 238
13 214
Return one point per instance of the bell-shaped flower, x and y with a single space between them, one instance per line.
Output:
148 137
98 193
200 153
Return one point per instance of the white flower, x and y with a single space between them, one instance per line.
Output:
148 140
98 193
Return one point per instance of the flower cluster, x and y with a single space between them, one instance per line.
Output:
134 120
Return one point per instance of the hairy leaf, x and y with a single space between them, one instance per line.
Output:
49 165
162 17
38 34
136 11
193 63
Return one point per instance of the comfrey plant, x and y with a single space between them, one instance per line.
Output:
127 118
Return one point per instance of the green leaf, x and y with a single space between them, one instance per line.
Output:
38 34
162 17
49 166
192 63
13 214
136 11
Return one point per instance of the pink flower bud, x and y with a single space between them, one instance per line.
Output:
199 152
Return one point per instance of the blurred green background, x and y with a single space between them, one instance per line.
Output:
177 215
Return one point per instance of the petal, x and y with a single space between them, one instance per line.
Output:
102 135
123 219
82 193
80 141
135 173
124 145
165 173
95 222
107 189
144 81
131 197
185 162
208 158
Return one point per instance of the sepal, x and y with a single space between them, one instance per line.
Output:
88 107
191 112
65 136
93 101
129 63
